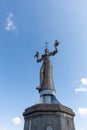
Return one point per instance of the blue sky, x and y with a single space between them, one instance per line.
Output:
25 26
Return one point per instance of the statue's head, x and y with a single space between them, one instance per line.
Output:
46 51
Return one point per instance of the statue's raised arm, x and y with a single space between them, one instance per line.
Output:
56 50
37 56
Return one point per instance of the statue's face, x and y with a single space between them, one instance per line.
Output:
46 51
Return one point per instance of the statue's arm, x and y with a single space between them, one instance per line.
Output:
37 56
53 53
56 49
39 59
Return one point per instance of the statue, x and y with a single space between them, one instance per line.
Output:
46 78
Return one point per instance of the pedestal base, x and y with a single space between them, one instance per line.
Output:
48 117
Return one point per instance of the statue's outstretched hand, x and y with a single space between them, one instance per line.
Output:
56 43
37 54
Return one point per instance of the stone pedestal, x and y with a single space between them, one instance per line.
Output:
48 117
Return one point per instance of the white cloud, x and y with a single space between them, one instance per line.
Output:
82 85
10 25
81 89
82 112
84 81
16 121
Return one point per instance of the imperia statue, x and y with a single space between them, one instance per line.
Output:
46 77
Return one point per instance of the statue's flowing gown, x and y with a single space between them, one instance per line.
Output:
46 79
